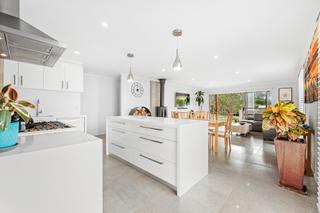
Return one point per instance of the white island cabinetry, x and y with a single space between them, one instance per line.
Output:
51 173
175 151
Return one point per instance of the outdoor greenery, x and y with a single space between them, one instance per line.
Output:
9 104
285 119
230 103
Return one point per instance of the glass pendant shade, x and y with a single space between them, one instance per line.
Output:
177 65
130 76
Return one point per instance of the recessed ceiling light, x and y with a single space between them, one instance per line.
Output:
104 24
3 55
249 80
163 70
193 79
237 72
0 38
216 57
76 52
237 206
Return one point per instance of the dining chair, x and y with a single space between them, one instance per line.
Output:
201 115
183 115
225 134
174 114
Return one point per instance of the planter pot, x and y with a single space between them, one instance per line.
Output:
291 162
9 137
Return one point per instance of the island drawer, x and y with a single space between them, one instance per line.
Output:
156 131
120 150
116 134
156 166
120 124
159 147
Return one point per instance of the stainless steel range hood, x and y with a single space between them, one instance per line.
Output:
21 41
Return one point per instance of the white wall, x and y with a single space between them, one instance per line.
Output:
99 99
169 97
271 86
52 102
127 100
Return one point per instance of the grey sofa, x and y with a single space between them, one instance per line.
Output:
257 123
269 135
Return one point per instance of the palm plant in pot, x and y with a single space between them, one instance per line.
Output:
290 148
200 98
10 106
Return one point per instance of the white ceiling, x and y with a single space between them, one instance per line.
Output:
264 40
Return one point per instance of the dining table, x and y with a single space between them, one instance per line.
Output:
215 123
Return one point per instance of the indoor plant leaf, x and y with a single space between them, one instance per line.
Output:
22 112
5 118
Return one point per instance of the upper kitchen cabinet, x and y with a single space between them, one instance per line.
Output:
54 77
73 77
30 76
10 73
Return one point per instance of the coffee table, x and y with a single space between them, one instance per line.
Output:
242 129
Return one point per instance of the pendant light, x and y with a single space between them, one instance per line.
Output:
130 75
177 65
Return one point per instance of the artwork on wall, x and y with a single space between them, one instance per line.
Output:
285 94
311 69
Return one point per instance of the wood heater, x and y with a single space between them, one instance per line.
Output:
161 111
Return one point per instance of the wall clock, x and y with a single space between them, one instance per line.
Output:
137 89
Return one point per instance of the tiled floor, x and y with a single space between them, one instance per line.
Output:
244 181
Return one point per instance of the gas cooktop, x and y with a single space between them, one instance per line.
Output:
46 125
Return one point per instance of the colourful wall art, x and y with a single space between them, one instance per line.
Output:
311 69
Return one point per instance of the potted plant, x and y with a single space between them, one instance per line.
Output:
10 105
200 98
290 148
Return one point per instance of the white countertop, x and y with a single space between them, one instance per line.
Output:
38 142
157 120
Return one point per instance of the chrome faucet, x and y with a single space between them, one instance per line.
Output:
38 111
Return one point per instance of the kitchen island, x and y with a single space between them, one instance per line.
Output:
56 172
172 150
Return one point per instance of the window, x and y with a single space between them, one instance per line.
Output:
251 102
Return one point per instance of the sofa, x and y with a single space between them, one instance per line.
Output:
257 122
269 135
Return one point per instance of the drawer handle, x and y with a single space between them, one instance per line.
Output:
119 131
118 122
146 127
122 147
158 162
147 139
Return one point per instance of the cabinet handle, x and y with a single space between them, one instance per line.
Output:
158 162
14 80
21 80
147 139
121 147
67 84
122 132
62 84
118 122
146 127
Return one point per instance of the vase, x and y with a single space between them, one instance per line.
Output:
9 137
291 163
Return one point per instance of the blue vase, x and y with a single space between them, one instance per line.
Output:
9 137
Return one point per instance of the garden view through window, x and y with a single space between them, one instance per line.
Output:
247 103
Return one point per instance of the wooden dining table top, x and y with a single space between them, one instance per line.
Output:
216 122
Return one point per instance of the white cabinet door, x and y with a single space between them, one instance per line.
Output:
53 78
30 76
11 72
74 77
